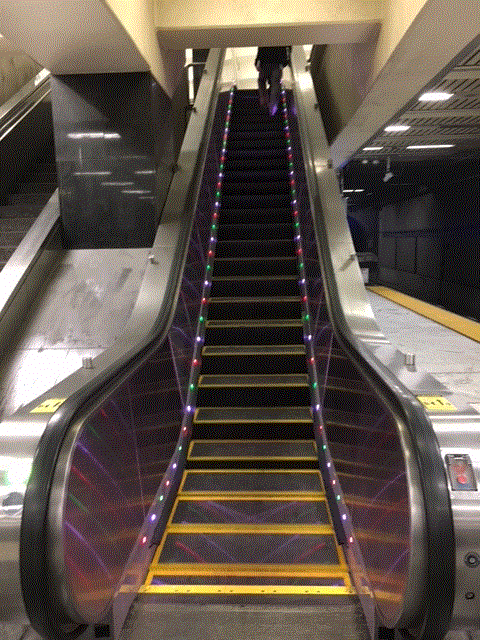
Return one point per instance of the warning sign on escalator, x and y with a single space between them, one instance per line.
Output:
48 406
436 403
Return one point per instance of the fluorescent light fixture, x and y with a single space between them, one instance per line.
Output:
430 146
359 190
137 191
145 172
92 173
372 148
435 96
397 127
112 136
117 184
348 191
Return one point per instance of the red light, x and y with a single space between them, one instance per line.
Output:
292 182
204 300
290 157
219 184
215 215
304 298
312 360
195 362
295 213
299 250
210 253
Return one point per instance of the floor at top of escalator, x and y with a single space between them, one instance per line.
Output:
185 621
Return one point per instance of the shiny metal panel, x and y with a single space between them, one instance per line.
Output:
459 434
364 435
99 480
161 263
456 432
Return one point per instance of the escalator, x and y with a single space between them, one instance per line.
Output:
28 172
251 526
252 470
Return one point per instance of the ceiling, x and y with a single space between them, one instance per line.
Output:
455 121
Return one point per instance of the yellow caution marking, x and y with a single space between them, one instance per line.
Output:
436 404
273 495
468 328
250 570
49 406
245 589
249 529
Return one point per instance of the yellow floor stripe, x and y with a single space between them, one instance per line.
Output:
249 529
244 589
468 328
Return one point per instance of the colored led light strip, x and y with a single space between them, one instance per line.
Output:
316 409
167 484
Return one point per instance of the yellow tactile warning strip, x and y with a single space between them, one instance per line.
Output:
468 328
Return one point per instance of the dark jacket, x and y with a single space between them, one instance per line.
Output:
273 55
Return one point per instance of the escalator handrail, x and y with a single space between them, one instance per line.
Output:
440 541
22 102
44 605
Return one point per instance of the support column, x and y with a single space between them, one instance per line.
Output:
113 142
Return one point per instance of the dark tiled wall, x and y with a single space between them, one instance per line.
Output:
429 246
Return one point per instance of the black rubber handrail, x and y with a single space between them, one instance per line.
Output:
440 539
43 605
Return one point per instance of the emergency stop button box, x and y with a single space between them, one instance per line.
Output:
460 471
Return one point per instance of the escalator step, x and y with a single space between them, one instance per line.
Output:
251 267
264 188
254 307
242 231
254 415
254 360
256 481
257 201
249 248
252 449
255 216
248 286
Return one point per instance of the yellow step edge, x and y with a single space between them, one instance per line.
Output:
249 570
238 589
253 441
257 529
452 321
256 471
266 496
251 458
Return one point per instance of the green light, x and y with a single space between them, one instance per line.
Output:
192 387
218 194
315 385
297 224
301 265
324 447
338 497
214 226
201 318
77 502
208 267
307 317
290 164
221 166
160 498
180 448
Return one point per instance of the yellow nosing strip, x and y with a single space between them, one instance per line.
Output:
464 326
255 471
318 496
252 458
250 571
240 589
257 529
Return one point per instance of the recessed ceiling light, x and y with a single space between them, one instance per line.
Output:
359 190
434 96
372 148
397 127
430 146
348 191
364 161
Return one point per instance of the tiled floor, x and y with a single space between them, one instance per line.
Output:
452 358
